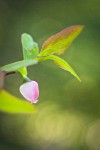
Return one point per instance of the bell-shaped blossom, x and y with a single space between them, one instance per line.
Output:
30 91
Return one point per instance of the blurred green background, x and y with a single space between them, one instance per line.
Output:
68 116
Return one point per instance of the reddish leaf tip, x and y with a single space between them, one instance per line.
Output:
60 41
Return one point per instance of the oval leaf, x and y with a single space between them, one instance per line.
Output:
11 104
59 42
61 63
17 65
30 48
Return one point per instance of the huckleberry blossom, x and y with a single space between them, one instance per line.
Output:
30 91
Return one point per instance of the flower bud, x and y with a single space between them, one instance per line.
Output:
30 91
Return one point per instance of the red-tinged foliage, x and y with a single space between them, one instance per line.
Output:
59 42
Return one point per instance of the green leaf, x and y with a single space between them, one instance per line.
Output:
59 42
17 65
11 104
61 63
30 48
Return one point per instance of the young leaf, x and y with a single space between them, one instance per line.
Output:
61 63
30 48
59 42
11 104
17 65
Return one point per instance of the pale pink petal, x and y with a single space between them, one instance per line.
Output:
30 91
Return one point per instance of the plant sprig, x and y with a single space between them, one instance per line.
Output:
54 45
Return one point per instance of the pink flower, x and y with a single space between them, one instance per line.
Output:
30 91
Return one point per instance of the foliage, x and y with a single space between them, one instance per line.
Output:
55 45
11 104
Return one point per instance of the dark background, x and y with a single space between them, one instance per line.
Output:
68 116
